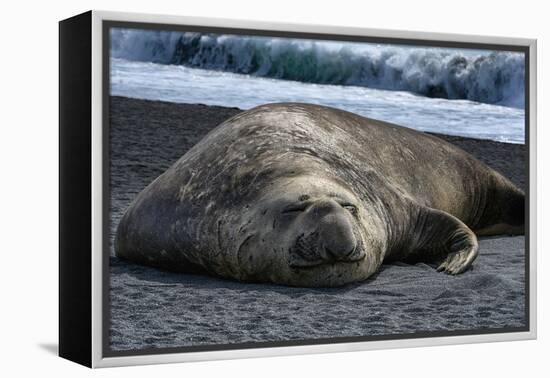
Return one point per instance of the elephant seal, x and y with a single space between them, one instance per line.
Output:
306 195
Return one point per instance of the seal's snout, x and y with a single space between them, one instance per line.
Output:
336 236
333 240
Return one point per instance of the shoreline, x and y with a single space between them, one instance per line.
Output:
242 110
507 158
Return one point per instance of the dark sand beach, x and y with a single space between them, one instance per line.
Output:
155 309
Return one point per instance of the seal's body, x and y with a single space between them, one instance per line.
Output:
306 195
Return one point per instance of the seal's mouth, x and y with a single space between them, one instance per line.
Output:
297 263
307 253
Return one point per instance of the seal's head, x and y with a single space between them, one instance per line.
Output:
309 231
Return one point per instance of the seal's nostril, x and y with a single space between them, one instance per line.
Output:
339 255
350 252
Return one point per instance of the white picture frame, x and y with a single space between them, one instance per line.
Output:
92 333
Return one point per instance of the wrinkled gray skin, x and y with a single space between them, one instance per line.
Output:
305 195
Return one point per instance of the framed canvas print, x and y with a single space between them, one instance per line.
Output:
232 189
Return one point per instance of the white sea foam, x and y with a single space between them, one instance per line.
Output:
482 76
181 84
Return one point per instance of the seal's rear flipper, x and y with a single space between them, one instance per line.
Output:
445 239
506 212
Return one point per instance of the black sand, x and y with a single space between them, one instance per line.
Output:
156 309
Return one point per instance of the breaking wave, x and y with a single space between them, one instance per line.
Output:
482 76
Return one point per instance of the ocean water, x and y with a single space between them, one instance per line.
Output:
492 77
185 84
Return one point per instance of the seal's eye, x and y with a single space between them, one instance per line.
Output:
294 209
351 208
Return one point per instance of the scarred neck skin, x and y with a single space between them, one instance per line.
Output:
400 219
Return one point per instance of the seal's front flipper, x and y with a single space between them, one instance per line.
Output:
458 261
443 238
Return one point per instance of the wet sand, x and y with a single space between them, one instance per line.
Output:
155 309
